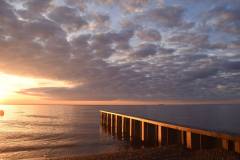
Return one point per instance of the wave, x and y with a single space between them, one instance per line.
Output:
41 116
35 147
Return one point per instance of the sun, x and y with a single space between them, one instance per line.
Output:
8 86
11 85
3 93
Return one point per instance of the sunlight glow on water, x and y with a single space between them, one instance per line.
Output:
49 131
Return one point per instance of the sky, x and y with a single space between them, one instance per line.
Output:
111 51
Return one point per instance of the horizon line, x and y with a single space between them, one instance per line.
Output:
132 103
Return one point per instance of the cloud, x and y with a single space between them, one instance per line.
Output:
137 50
195 42
133 5
99 22
35 9
102 44
190 39
167 16
200 74
68 18
7 17
81 4
149 35
224 18
234 65
162 50
145 50
128 6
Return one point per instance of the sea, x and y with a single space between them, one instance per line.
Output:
57 131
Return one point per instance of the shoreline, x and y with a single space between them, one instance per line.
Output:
160 153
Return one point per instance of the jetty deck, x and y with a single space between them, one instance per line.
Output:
148 131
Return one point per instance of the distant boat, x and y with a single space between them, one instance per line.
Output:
1 112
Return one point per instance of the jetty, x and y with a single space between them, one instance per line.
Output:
146 131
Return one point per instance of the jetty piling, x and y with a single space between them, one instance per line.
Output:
143 131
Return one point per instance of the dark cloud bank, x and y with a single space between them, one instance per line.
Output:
144 50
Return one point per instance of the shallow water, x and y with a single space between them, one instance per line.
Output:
34 132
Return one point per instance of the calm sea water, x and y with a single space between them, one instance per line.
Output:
35 132
32 132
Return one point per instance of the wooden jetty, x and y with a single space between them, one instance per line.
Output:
146 131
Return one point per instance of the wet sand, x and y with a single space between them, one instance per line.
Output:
162 153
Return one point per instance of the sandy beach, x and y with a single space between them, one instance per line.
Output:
161 153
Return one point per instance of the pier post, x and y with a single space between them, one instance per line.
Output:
167 135
122 127
189 140
106 119
142 131
225 144
159 135
116 124
130 129
182 137
111 118
102 118
200 141
237 146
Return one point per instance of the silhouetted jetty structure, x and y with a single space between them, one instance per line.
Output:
144 131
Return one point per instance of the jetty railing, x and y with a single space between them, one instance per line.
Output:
146 131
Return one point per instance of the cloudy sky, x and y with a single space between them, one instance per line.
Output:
104 50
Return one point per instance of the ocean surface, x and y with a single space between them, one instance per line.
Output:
42 131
